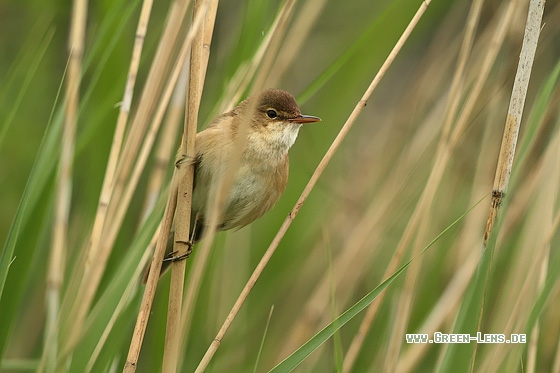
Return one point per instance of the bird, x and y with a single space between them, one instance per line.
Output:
261 174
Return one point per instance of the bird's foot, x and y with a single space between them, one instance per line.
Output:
172 255
184 159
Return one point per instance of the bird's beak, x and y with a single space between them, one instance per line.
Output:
305 119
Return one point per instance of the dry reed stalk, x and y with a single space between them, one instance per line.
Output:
236 87
123 302
98 251
200 264
223 185
484 172
118 204
357 342
207 32
298 33
406 297
448 302
523 273
459 75
155 266
56 268
151 284
546 172
518 313
553 187
353 261
444 151
185 173
219 191
495 44
535 332
450 298
515 111
313 180
165 147
513 122
554 228
149 98
115 152
149 139
136 143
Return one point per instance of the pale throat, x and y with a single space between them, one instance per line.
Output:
274 142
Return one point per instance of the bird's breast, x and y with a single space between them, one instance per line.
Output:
256 188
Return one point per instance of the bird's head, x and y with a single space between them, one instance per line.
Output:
277 119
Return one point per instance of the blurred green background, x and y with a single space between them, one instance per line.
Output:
34 50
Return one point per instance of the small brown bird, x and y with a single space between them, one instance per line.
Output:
262 172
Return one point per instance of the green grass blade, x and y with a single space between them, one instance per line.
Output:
314 343
37 58
38 178
296 358
337 340
263 339
460 355
119 283
26 220
551 281
35 198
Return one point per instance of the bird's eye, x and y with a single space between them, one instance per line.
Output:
271 114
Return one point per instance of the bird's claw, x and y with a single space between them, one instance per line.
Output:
171 256
183 158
